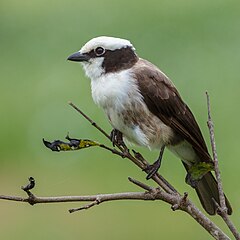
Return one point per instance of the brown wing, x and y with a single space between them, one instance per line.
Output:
163 100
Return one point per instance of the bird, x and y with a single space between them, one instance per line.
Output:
143 105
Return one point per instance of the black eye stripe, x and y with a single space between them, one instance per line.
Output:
119 59
116 60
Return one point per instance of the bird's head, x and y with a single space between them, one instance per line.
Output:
103 55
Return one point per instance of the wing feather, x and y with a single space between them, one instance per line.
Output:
163 100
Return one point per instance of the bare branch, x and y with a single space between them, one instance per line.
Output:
154 194
164 192
222 209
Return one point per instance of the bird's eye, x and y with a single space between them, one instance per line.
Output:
99 51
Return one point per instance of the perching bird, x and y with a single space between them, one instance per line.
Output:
143 105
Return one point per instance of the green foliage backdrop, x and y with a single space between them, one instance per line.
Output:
196 43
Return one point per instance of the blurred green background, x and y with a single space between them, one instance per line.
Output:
196 43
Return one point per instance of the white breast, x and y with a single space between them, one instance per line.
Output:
115 93
115 89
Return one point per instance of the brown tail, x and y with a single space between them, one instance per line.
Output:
207 190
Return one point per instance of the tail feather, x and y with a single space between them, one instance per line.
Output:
207 190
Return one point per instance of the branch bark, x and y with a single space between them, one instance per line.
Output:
175 200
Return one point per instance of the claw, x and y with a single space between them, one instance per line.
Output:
190 181
117 138
114 136
152 169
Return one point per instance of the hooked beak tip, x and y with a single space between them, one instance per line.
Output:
78 57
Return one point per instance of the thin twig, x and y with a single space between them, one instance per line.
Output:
112 150
215 158
141 185
222 209
90 120
87 206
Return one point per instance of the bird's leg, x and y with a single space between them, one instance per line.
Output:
153 168
117 138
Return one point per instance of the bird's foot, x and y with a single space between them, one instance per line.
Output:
117 139
191 181
152 169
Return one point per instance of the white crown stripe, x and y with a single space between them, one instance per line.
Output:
109 43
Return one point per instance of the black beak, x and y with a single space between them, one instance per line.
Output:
78 57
